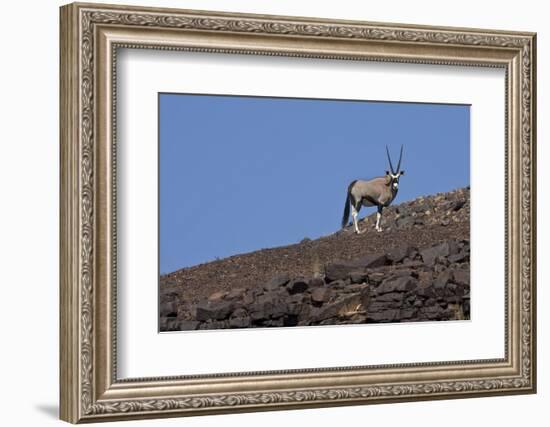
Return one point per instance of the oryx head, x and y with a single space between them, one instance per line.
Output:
393 174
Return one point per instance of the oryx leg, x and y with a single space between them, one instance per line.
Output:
354 213
378 218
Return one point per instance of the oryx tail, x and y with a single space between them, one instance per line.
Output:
345 217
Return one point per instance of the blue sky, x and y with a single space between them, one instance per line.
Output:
238 174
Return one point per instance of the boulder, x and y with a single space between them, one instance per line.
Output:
320 295
239 319
396 255
338 284
268 306
213 310
442 279
338 271
277 282
461 277
376 277
371 261
341 270
297 286
188 325
444 249
460 257
398 284
346 305
358 277
316 282
290 320
390 297
383 316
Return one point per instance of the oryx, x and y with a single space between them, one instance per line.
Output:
378 192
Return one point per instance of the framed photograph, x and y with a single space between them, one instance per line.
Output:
266 212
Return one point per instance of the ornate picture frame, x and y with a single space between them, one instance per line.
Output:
90 37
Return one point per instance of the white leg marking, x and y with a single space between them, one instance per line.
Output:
354 215
378 216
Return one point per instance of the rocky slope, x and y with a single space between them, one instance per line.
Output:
416 269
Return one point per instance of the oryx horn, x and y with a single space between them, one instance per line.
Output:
400 156
389 160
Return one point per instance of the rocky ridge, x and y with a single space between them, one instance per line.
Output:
417 269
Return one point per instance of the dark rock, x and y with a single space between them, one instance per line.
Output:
213 310
240 319
460 257
425 290
290 320
358 277
430 302
275 323
433 312
294 309
268 306
297 298
452 288
297 286
371 261
341 270
442 279
413 264
441 260
461 277
188 325
346 305
402 272
396 255
365 296
390 315
337 284
320 295
248 298
390 297
305 314
376 278
355 287
169 309
444 249
458 205
425 277
338 271
398 284
407 313
277 282
214 324
240 322
316 282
